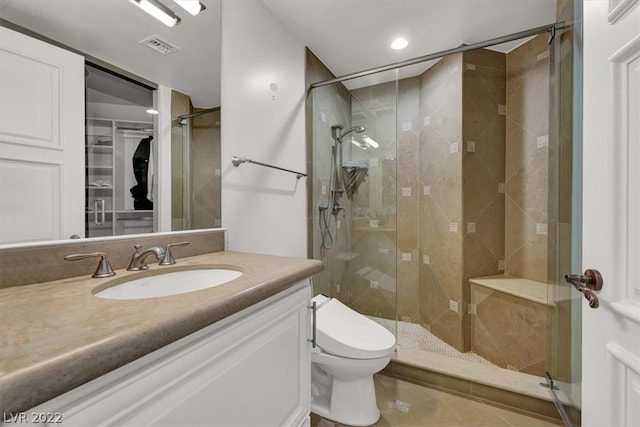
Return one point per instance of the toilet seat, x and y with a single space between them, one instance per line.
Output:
344 332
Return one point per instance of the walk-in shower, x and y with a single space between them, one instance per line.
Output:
450 238
195 165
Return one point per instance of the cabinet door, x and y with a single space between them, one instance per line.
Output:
254 371
252 377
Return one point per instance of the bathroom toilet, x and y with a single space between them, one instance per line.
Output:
350 348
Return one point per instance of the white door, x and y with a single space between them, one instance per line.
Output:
41 140
611 212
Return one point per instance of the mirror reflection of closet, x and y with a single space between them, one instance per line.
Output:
120 155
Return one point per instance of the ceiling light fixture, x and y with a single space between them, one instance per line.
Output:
152 111
194 7
159 11
399 43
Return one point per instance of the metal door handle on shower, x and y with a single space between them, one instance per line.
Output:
586 283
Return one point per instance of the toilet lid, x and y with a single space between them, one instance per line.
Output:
344 332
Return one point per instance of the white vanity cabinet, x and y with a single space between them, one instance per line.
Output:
250 369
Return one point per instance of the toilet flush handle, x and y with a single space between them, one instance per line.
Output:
313 308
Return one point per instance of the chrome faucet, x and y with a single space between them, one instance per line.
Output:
138 258
104 268
168 256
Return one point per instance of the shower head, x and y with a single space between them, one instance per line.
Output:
338 134
357 129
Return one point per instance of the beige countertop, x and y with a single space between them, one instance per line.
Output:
57 335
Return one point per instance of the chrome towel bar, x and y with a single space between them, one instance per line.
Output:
237 161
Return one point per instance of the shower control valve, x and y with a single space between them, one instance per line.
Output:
335 210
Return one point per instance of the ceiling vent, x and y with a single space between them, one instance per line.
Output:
159 45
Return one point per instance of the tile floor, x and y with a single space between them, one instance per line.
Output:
412 335
403 404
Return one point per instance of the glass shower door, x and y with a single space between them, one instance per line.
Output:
565 170
353 195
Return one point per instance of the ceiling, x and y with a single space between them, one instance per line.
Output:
355 35
111 30
347 35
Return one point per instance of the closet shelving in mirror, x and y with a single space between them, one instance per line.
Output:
109 204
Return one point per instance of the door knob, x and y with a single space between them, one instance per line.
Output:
586 283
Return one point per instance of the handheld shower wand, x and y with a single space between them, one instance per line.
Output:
336 187
337 134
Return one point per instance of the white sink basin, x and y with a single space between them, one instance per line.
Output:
174 283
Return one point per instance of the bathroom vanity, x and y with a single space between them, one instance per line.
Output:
234 354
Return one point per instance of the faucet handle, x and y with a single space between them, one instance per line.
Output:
104 268
168 256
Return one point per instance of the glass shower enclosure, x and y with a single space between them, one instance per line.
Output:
353 203
196 178
438 202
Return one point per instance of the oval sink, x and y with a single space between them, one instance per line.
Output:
174 283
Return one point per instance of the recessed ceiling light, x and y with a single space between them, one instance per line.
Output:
399 43
152 111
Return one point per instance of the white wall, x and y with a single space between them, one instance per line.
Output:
263 209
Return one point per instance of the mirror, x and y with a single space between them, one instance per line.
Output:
118 36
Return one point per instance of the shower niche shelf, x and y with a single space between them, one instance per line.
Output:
109 176
354 173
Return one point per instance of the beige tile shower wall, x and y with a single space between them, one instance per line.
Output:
483 112
441 216
527 156
205 170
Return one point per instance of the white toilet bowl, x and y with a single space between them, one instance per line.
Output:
350 348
